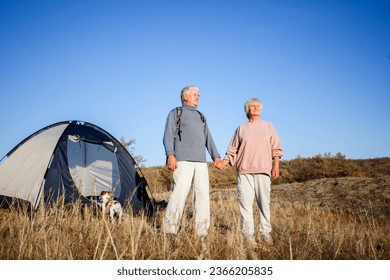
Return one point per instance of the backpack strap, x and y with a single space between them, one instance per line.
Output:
179 111
178 122
202 117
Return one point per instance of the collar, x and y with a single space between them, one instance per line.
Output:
189 107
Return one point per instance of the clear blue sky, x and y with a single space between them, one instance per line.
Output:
321 68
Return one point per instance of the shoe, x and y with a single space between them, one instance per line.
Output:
267 238
203 238
203 247
250 239
171 238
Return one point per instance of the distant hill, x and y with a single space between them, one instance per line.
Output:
357 186
295 170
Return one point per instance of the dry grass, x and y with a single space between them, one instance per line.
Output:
323 208
300 231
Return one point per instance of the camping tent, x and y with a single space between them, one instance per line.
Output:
73 160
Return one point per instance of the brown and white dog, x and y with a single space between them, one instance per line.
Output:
111 206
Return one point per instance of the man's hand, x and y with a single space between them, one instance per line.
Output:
172 162
217 162
221 164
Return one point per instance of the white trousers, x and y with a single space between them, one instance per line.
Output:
187 174
254 187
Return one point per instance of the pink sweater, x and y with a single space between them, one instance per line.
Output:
253 146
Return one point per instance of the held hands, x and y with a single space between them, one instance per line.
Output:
217 162
220 164
172 163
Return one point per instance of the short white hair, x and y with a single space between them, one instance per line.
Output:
186 90
249 103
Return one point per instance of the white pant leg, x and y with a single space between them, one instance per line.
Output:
201 198
182 180
263 197
246 195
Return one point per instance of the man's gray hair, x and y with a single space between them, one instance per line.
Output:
249 103
185 91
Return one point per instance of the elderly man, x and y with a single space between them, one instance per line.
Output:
186 138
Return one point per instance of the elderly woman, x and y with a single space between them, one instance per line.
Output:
255 150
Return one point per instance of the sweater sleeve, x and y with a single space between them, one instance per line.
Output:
276 144
210 145
231 152
169 134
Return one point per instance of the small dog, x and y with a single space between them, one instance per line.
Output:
111 206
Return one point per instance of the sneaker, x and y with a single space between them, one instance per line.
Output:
250 239
267 238
203 247
203 238
171 239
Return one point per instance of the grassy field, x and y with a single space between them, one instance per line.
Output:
309 223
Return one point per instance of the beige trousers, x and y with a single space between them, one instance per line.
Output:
254 187
186 175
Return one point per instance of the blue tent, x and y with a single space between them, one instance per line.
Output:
73 160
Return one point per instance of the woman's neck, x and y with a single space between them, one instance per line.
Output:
254 119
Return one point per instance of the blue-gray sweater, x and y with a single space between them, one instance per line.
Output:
195 136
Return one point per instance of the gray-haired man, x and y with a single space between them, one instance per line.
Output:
186 138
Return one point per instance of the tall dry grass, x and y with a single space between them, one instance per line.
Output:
304 232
